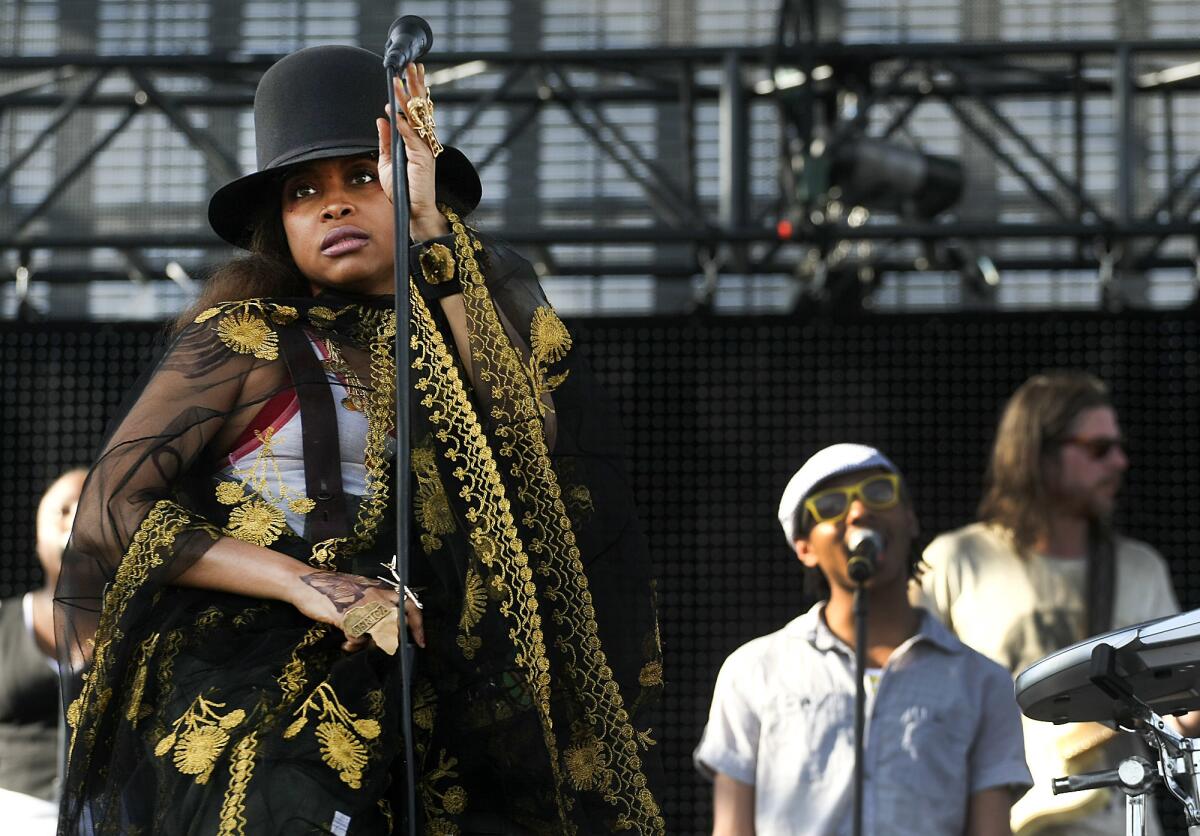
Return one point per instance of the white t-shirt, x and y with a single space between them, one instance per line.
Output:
1018 610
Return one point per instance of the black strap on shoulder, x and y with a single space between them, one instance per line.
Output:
322 451
1101 579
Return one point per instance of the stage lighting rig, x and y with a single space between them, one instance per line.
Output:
873 174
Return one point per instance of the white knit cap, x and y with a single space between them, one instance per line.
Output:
824 464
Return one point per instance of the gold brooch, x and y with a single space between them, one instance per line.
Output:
437 264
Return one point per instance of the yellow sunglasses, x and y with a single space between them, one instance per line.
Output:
878 492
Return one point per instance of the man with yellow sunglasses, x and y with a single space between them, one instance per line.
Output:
942 750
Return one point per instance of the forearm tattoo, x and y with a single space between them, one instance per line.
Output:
343 590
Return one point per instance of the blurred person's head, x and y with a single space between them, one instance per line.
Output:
55 514
1058 453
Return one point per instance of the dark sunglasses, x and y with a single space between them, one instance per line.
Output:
1097 448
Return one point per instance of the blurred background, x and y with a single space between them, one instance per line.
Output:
772 225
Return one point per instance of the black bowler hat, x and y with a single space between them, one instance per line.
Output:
317 103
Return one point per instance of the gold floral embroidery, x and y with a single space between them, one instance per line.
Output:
451 801
133 710
454 800
437 264
430 504
578 500
293 678
199 737
241 767
230 493
549 342
475 600
302 505
257 522
246 333
259 517
424 706
583 764
338 730
260 308
522 447
322 316
342 751
651 674
548 337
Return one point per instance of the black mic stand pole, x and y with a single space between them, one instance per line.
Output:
401 211
860 572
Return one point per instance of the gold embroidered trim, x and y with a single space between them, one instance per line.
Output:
292 678
494 534
334 362
241 768
437 264
153 538
519 429
338 730
378 330
204 736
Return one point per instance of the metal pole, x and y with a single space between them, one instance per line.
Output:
403 306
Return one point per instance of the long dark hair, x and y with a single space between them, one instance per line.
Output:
268 270
1036 420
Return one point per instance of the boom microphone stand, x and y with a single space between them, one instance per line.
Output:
408 39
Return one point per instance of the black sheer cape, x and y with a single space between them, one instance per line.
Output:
192 711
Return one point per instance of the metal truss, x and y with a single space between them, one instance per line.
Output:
1135 226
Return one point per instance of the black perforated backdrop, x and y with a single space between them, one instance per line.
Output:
720 412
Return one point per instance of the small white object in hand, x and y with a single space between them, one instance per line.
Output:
396 583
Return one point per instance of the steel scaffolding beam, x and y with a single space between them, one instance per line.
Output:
972 80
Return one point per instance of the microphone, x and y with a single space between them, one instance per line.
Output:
409 38
864 546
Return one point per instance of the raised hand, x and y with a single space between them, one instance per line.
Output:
425 221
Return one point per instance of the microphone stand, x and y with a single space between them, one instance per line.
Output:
860 572
401 211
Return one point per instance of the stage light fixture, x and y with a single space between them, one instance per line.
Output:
888 177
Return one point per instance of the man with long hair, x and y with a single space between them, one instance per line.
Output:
1044 545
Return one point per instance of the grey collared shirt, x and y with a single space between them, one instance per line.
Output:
943 725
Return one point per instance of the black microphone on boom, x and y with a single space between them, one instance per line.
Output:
864 545
409 38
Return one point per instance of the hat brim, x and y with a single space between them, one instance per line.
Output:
234 208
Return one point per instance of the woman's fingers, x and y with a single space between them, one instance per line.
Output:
416 80
355 645
416 623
